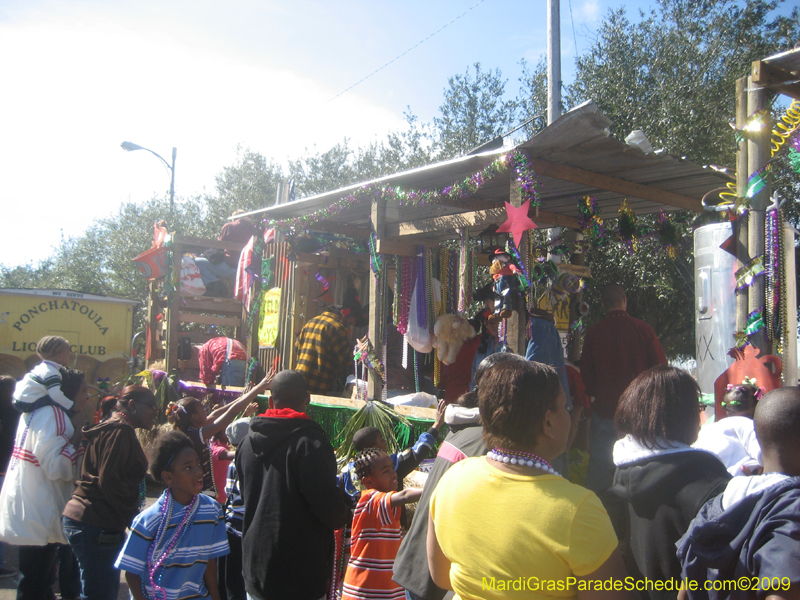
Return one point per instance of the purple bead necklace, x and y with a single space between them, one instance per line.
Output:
158 552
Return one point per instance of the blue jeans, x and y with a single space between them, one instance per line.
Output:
233 372
602 437
211 272
96 549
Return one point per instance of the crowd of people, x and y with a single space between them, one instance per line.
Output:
255 508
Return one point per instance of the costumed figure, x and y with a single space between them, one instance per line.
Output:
506 285
451 332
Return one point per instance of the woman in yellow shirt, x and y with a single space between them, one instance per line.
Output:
507 525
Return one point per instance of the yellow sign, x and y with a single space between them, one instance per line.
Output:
99 329
269 322
559 308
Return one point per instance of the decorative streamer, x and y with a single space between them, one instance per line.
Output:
746 275
757 182
375 261
516 159
785 127
626 226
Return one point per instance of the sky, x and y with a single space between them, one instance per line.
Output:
82 76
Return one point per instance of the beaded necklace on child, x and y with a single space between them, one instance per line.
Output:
159 551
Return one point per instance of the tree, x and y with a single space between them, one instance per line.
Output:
673 74
249 184
532 96
473 112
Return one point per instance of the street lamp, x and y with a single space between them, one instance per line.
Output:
130 147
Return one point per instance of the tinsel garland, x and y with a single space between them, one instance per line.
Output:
589 217
375 261
757 182
755 323
668 234
626 226
516 159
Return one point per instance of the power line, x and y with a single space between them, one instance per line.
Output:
572 19
406 52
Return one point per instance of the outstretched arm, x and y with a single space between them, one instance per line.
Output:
234 408
406 496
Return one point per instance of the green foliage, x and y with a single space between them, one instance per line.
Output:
372 414
660 290
673 74
473 112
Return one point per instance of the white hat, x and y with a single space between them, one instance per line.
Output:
238 430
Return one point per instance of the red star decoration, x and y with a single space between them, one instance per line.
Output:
518 221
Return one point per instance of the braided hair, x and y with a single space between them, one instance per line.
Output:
179 413
363 461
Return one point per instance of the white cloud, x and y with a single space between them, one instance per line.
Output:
589 12
78 87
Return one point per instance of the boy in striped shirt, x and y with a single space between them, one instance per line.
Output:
376 529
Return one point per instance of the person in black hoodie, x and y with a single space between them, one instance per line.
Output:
660 478
292 503
750 531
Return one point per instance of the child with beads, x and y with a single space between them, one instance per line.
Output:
42 386
733 439
173 546
376 529
749 532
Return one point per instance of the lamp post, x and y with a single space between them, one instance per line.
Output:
130 147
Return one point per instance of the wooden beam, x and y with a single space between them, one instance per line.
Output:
207 320
353 231
478 218
333 262
402 248
613 184
213 305
185 242
775 78
472 203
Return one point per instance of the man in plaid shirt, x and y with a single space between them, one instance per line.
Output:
323 347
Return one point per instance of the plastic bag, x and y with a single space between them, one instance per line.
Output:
191 281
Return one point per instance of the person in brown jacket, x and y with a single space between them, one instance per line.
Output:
110 491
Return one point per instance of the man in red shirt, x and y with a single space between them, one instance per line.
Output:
225 358
615 351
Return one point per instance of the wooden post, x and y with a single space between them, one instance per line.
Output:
378 218
574 348
298 308
515 326
742 254
174 305
758 153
